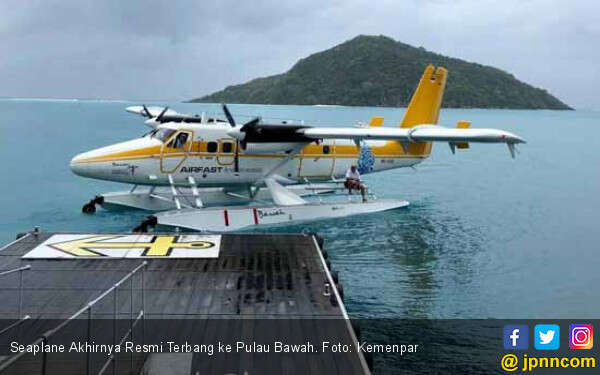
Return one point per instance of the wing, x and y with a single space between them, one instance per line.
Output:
153 110
421 133
456 137
161 115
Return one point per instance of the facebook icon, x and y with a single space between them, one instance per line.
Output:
516 337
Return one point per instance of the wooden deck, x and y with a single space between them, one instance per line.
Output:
261 288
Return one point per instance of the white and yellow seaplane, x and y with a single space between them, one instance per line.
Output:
195 171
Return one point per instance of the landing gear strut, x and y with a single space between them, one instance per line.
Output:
90 207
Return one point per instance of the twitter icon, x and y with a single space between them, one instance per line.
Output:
547 337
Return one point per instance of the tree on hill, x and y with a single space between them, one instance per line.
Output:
378 71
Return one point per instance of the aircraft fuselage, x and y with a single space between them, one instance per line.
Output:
207 153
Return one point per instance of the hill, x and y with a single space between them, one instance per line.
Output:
378 71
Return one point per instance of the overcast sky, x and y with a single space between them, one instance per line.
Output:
173 50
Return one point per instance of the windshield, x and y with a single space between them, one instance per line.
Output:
179 141
162 134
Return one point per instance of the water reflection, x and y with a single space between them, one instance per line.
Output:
402 263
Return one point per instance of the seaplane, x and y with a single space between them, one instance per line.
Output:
202 173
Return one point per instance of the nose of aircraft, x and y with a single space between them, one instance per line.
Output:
93 163
101 162
78 166
96 163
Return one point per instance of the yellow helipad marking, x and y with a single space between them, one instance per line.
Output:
127 246
159 246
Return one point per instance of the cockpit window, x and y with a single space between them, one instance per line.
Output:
163 134
179 140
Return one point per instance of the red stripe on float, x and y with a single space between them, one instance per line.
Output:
255 216
226 217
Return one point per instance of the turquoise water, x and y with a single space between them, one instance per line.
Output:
485 235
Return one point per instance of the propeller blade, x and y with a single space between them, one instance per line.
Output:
228 115
161 114
146 111
236 157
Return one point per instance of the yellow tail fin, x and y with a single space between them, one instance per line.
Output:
424 107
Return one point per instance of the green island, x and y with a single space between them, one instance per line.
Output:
379 71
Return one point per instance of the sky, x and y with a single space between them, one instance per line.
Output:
178 50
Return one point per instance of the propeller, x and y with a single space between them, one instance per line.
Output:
160 115
146 111
152 121
228 115
239 133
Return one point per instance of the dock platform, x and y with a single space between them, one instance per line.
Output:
230 288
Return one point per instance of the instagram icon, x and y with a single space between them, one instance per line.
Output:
581 336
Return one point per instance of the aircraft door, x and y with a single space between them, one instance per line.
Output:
226 152
175 150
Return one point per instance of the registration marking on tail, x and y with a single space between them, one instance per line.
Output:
102 246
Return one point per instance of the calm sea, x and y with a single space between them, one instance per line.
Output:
485 235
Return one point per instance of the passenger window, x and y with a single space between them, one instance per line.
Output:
326 149
227 147
211 147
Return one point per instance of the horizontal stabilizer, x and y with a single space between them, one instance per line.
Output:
376 122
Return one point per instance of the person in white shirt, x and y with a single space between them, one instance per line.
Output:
353 182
